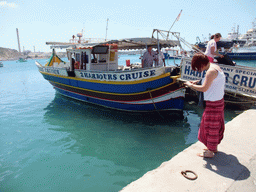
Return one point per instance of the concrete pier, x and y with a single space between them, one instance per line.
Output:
232 169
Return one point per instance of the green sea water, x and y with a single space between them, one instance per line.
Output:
52 143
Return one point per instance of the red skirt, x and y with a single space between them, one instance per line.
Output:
212 126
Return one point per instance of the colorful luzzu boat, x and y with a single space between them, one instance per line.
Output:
93 75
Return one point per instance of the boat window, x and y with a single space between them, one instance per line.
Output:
78 57
100 50
103 58
94 58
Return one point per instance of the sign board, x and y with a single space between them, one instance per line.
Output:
239 79
121 76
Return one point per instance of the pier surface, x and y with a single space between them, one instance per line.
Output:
232 169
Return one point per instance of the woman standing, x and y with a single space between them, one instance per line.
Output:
211 49
212 124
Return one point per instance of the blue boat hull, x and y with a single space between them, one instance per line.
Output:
110 88
173 104
243 56
157 94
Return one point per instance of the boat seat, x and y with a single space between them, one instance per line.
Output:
126 68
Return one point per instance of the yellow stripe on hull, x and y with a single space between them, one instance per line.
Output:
115 82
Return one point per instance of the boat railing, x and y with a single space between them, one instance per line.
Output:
87 40
121 70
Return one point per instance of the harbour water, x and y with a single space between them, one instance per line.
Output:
52 143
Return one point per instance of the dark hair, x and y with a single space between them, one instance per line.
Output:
212 36
198 61
217 35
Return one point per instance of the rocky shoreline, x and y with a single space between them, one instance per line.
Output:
7 54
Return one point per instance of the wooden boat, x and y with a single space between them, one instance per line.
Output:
93 75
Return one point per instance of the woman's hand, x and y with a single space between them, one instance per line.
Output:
189 83
194 82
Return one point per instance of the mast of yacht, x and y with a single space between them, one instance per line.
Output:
106 30
18 40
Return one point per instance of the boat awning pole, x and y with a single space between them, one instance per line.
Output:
108 55
158 48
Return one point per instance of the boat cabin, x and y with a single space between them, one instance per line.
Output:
102 56
97 58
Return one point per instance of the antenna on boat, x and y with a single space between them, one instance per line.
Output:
106 30
177 19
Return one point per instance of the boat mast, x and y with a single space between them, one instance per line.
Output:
18 39
177 19
106 30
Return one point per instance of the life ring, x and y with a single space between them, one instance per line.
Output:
77 65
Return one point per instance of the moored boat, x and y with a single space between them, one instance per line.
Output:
93 75
1 64
21 60
241 53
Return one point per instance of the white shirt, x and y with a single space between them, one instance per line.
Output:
160 58
210 44
216 90
148 59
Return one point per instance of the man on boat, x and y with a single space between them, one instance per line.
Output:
211 49
148 58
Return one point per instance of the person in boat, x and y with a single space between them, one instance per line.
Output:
212 124
160 58
148 58
211 49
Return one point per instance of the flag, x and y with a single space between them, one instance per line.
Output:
177 19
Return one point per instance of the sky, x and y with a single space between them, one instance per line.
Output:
40 21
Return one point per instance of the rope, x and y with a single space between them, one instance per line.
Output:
155 105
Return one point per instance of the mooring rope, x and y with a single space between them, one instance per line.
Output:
154 104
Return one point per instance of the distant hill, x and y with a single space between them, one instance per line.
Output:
8 54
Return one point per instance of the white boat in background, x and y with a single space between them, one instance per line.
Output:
241 53
233 43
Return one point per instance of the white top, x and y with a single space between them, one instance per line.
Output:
160 58
216 90
210 44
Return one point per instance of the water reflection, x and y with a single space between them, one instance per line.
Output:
123 138
119 146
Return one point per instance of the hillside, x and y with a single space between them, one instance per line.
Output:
8 54
12 54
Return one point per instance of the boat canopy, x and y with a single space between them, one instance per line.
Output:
122 44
